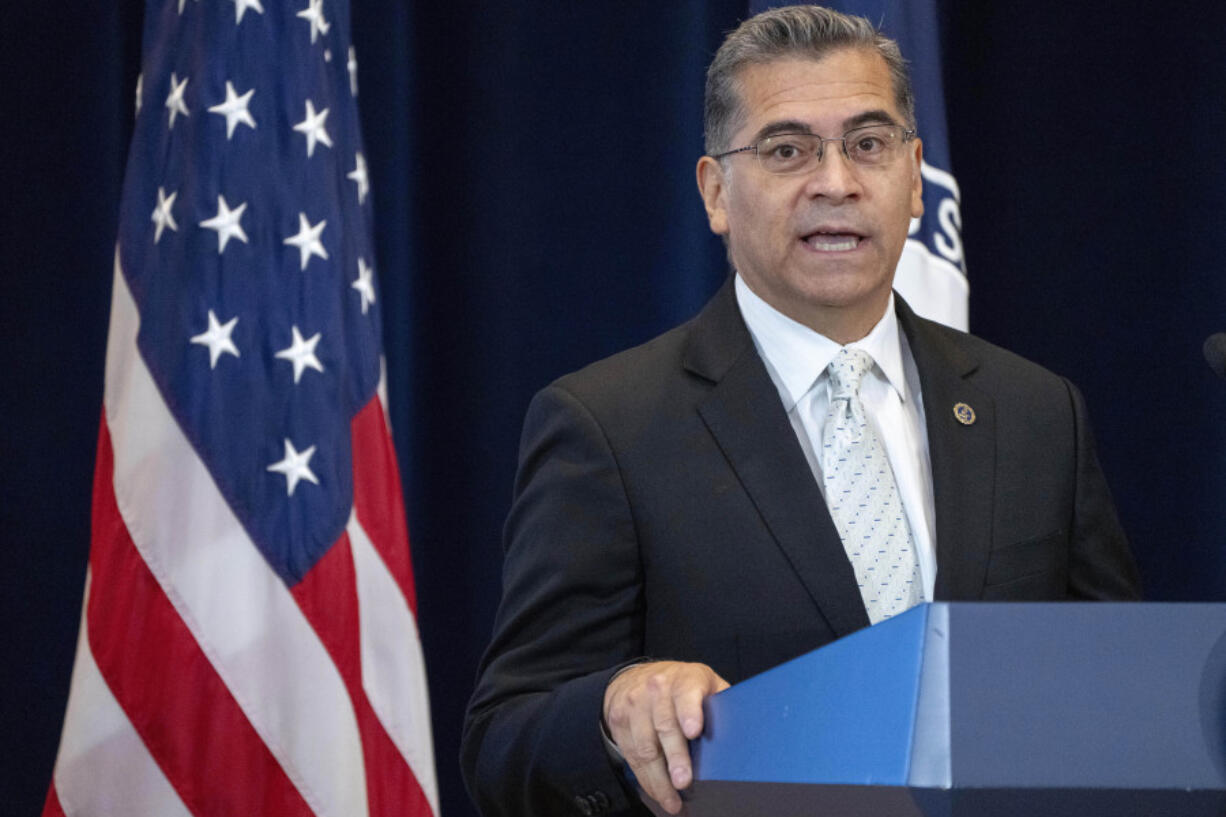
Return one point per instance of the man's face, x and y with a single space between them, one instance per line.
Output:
819 246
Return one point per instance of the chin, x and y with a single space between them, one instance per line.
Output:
833 291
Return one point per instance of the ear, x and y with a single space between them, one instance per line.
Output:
917 181
712 186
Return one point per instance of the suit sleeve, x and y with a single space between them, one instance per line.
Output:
1101 565
570 617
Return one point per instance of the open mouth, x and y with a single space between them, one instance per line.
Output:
832 242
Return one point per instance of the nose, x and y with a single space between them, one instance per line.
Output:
833 176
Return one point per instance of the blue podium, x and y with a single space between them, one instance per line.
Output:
983 710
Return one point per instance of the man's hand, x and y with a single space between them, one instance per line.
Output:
652 710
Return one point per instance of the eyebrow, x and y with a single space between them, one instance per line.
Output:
874 117
877 117
781 126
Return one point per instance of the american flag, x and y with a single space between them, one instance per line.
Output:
248 642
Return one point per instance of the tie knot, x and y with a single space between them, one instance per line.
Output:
846 371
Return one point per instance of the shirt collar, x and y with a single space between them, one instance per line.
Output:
796 355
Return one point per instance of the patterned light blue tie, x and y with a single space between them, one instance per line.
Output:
863 496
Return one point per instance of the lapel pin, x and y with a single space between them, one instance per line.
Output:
964 413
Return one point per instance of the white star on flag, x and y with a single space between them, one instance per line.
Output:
241 6
358 175
314 14
294 466
226 223
365 284
140 81
217 338
234 109
174 101
301 353
307 240
162 216
313 127
352 67
183 3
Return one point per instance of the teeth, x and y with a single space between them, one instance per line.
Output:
825 242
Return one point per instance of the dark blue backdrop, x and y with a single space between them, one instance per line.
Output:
532 167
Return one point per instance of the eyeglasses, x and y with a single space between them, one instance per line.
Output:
785 153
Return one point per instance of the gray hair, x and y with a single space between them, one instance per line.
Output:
811 32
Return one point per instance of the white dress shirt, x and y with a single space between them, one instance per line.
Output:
796 358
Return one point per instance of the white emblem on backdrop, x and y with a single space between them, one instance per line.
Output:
932 271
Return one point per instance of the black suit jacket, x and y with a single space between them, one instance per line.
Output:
664 509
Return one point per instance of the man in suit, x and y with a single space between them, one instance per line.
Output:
677 523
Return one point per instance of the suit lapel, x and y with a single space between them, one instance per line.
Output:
963 456
745 416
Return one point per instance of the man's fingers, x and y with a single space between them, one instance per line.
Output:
672 738
652 711
647 760
654 780
687 702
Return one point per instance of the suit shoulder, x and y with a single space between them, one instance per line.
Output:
991 362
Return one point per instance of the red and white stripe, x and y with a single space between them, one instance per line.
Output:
203 685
